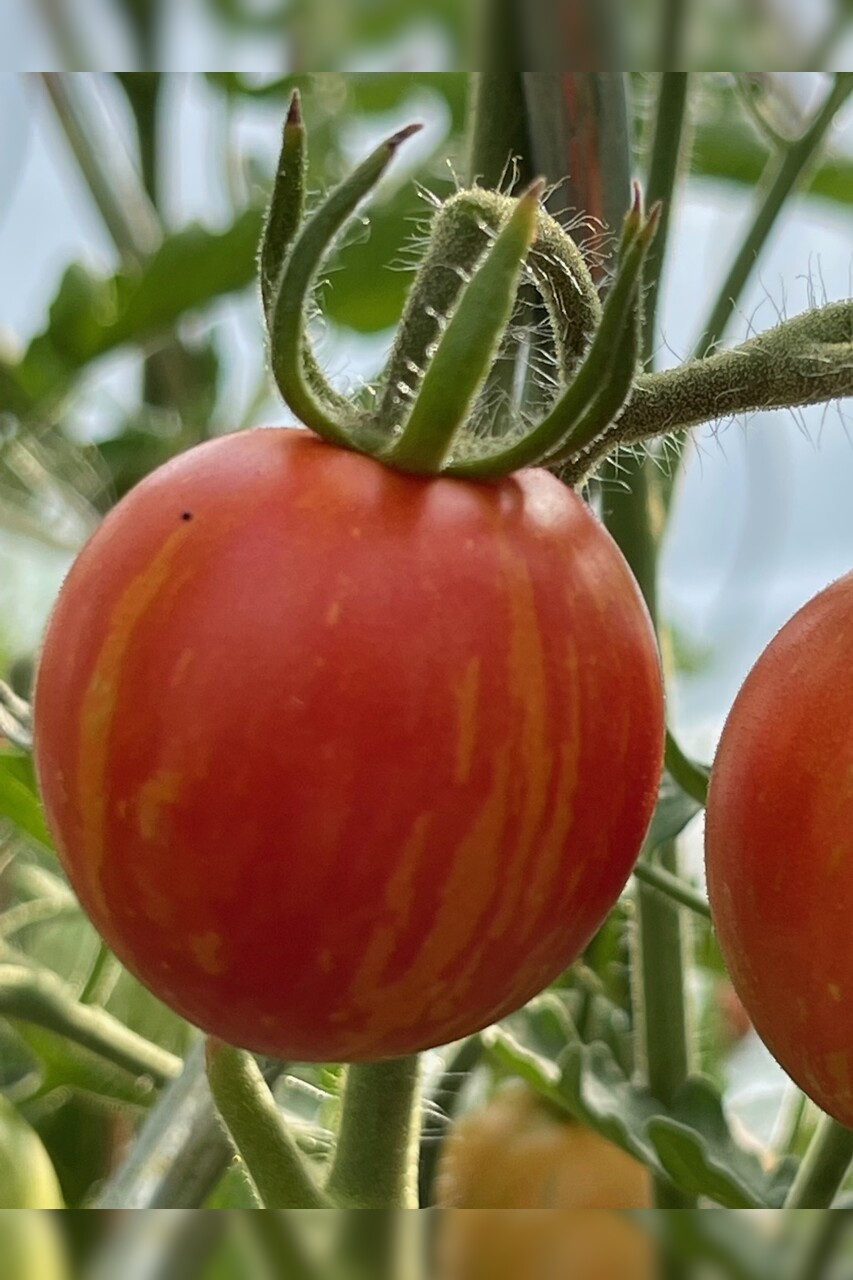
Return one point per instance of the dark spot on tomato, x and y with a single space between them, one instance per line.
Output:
187 515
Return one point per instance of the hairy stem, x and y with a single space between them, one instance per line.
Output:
783 175
38 996
672 886
375 1165
823 1168
807 360
257 1127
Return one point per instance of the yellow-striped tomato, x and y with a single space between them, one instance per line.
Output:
779 847
343 762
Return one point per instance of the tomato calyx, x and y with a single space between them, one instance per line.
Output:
440 406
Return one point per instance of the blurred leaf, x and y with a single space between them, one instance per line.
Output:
19 798
697 1150
137 451
728 147
675 808
92 315
368 280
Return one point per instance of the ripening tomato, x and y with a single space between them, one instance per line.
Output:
543 1244
343 762
779 847
517 1153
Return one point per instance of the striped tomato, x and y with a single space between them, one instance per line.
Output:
779 844
343 762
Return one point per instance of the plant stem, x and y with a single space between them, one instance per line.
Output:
39 997
823 1246
102 976
823 1168
660 945
673 887
497 126
782 176
660 941
666 157
276 1243
127 213
375 1165
257 1127
674 22
180 1152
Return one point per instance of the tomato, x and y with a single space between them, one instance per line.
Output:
516 1153
779 847
31 1246
543 1244
342 762
27 1177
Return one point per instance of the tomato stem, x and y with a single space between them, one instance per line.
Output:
673 887
468 345
375 1165
257 1127
571 423
823 1167
39 997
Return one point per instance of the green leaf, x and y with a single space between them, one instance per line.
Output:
690 1142
691 776
65 1065
675 808
19 798
92 315
729 149
697 1150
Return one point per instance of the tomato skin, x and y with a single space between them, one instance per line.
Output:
779 847
516 1153
344 763
543 1244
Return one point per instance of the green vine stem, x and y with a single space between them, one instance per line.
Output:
783 175
127 212
257 1127
823 1168
375 1164
274 1240
667 155
803 361
824 1244
672 886
660 943
38 996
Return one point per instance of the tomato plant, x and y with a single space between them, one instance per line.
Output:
779 839
515 1152
344 762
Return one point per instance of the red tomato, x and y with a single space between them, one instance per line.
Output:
779 847
342 762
